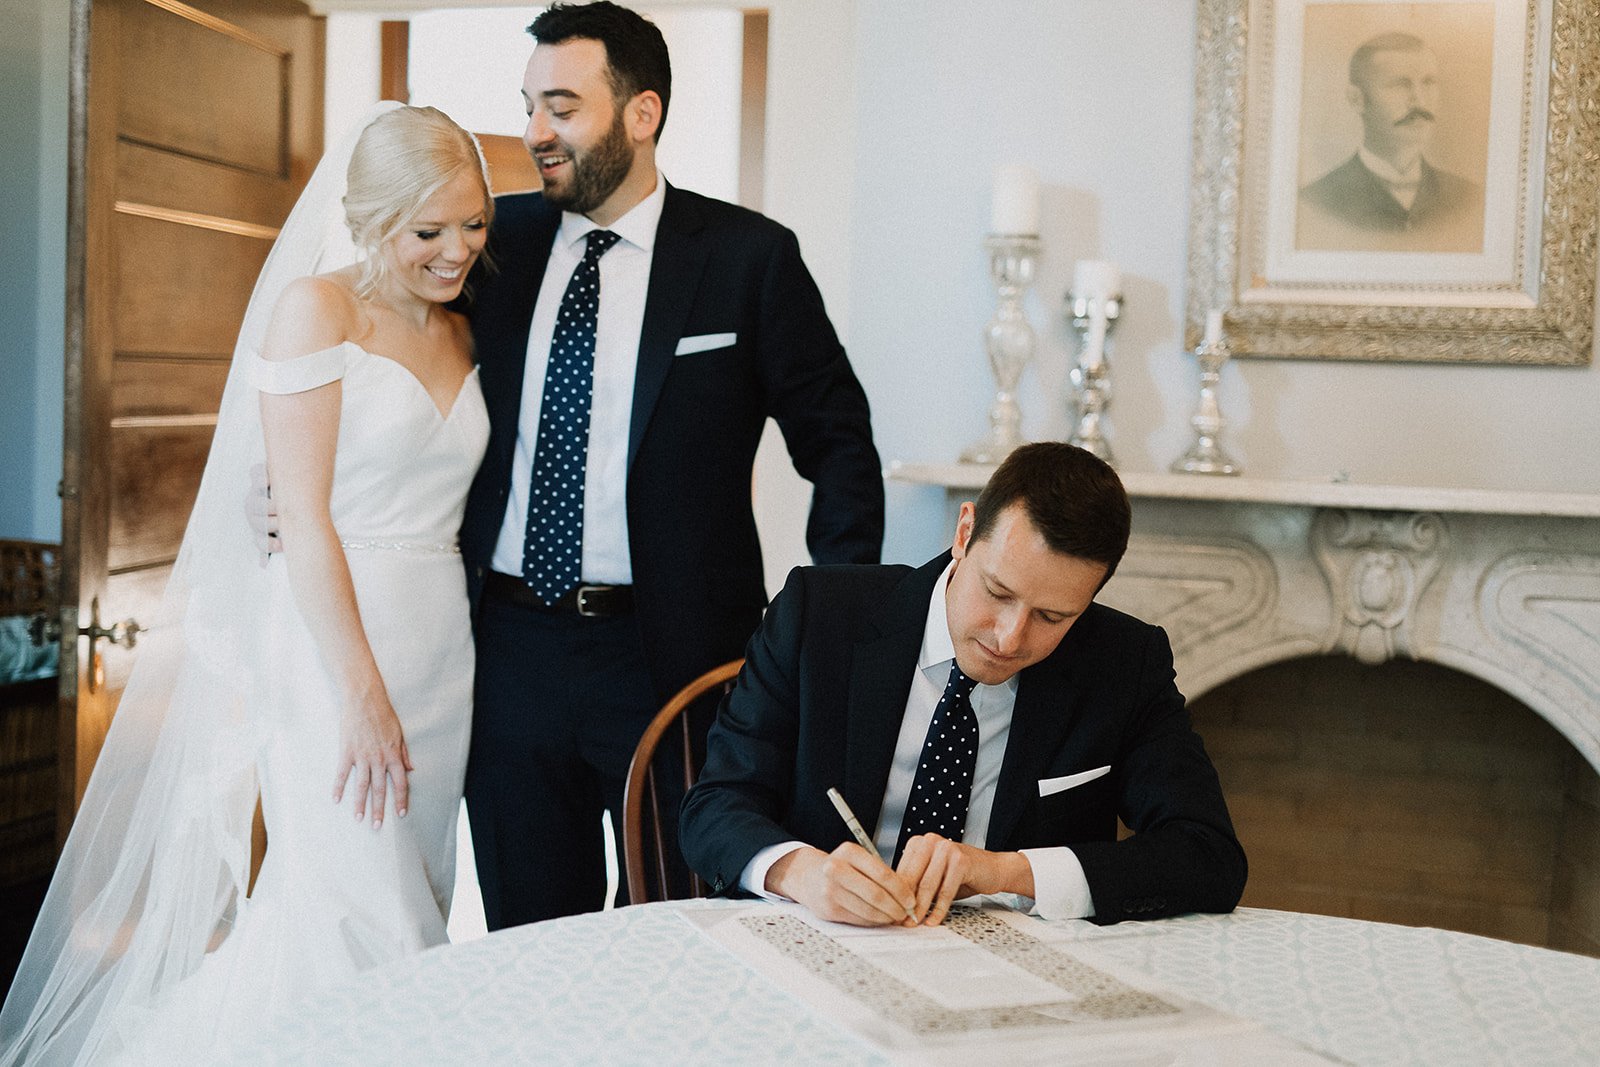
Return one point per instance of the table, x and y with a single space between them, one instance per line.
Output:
641 985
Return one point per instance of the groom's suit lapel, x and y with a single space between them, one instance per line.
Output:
881 668
524 265
880 675
1041 719
880 681
675 270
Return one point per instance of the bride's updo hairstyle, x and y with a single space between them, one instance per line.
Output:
401 159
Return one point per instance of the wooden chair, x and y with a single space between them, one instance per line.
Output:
641 806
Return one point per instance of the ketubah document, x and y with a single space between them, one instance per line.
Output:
990 980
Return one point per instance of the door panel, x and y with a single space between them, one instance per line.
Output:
227 106
182 287
162 179
155 474
511 169
189 144
142 386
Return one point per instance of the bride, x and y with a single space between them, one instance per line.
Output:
336 682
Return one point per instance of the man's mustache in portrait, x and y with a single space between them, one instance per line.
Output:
1414 115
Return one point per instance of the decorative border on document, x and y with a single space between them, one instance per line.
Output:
1091 995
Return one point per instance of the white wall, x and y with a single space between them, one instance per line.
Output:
810 169
468 62
1098 96
353 72
33 173
19 175
1094 96
886 118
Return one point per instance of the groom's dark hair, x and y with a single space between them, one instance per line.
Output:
636 53
1072 497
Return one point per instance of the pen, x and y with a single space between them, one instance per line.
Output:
857 832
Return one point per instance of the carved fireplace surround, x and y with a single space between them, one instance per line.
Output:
1245 572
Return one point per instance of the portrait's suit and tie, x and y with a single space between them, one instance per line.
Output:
734 331
820 704
1387 196
1356 196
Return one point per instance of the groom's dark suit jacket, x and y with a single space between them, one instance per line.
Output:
696 418
820 702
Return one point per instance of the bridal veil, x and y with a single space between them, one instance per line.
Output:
159 854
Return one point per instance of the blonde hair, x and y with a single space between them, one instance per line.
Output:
402 158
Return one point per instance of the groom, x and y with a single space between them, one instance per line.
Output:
633 339
984 714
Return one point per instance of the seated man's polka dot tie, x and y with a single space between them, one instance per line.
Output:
943 785
552 552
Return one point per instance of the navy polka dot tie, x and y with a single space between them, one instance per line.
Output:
943 785
552 551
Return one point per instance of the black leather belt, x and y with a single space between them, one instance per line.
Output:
592 601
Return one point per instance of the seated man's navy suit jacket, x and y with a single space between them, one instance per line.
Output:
820 701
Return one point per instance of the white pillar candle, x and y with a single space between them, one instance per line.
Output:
1016 200
1213 326
1096 279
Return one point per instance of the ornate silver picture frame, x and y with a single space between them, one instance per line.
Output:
1492 104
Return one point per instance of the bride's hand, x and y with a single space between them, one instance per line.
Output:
261 512
372 744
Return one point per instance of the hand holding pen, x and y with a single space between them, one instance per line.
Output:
851 884
859 833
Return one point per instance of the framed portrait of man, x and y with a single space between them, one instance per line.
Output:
1387 180
1393 144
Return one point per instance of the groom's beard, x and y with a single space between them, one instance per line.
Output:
596 172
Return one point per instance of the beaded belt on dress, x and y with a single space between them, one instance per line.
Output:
432 548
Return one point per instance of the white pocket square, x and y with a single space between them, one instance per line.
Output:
1052 786
704 342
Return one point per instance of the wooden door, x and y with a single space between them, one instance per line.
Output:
193 127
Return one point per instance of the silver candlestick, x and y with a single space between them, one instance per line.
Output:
1206 455
1010 340
1093 307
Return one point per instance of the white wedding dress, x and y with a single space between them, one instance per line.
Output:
334 896
146 949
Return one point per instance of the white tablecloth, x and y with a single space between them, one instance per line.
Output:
641 985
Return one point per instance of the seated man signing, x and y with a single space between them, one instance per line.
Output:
983 714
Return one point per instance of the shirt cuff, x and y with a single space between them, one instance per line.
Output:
754 878
1060 890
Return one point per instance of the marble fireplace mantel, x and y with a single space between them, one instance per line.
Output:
1246 572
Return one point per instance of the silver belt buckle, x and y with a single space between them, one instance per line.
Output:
583 602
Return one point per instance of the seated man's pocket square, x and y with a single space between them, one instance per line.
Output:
704 342
1051 786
